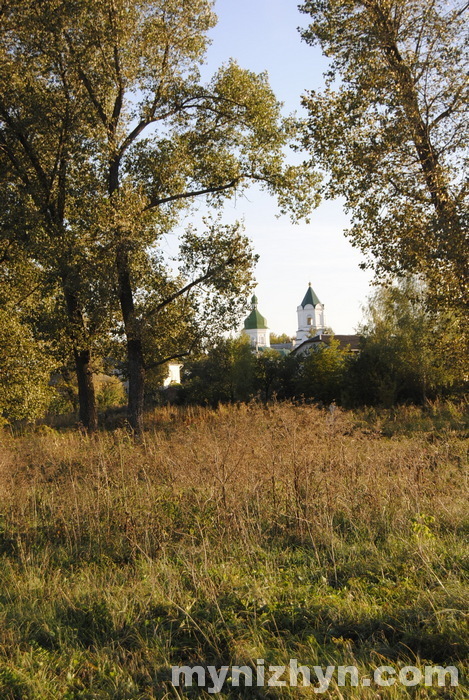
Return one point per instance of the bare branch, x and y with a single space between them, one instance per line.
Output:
99 108
450 109
202 278
194 193
177 356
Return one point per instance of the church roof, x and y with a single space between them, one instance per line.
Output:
310 297
350 342
255 319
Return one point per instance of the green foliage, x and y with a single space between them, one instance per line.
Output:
224 374
232 372
108 137
391 129
267 373
25 370
409 351
322 372
110 392
282 338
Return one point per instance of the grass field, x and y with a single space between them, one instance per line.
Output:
229 536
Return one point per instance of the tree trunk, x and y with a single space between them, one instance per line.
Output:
88 413
136 384
135 361
136 365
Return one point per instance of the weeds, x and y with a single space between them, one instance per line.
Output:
231 535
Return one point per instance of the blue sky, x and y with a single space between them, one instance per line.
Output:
262 35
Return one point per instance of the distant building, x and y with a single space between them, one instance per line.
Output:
282 348
311 329
352 342
311 317
255 327
174 374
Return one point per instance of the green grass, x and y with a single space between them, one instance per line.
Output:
229 536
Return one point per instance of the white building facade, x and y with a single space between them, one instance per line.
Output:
311 318
174 374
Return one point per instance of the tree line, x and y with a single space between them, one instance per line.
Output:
406 354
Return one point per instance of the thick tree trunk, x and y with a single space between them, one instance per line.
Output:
136 384
88 413
136 365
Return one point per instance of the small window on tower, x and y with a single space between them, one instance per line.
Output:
309 321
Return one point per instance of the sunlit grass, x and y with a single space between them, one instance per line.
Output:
231 535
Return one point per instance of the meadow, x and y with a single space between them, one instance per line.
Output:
231 535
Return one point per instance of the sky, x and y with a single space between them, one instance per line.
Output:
262 35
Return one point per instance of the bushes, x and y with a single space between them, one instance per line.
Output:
322 373
410 352
25 369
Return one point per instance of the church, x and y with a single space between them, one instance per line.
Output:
311 328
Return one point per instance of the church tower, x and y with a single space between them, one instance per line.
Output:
311 320
255 326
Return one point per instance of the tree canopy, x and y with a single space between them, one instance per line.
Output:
409 352
392 131
108 135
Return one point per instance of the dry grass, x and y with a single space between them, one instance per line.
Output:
230 535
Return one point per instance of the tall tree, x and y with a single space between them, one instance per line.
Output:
391 129
167 139
47 177
143 136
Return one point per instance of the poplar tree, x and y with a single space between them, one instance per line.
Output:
391 129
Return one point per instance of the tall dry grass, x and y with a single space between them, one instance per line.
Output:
224 535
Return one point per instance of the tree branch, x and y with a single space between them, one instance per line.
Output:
202 278
99 108
177 356
151 119
462 10
180 292
14 161
449 109
194 193
117 67
28 150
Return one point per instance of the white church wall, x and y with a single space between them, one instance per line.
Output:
259 338
310 318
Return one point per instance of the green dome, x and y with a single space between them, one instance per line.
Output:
255 320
